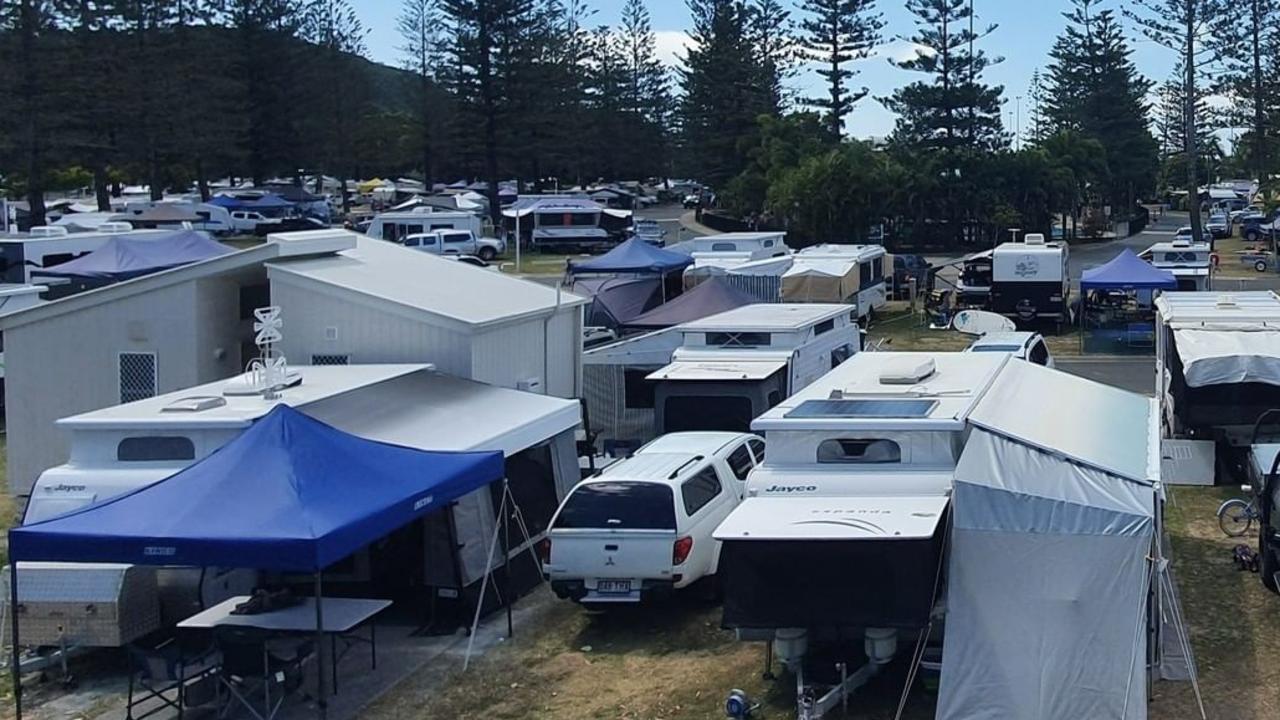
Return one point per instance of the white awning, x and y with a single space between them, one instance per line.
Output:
718 370
834 518
1240 354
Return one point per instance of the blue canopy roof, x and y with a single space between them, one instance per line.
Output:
290 493
713 295
1127 271
270 201
634 256
615 301
227 201
129 256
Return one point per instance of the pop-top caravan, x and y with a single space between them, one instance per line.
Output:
1190 262
1217 371
716 373
1030 280
119 449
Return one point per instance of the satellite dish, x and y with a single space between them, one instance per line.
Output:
981 322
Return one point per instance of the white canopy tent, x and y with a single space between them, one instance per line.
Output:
1054 553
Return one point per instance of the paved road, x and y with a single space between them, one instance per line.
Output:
1132 374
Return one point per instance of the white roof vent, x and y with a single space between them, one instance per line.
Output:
1182 242
908 372
1226 302
115 227
195 403
1035 239
44 231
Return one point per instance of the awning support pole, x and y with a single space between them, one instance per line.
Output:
15 666
322 692
506 554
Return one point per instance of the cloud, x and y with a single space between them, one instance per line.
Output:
902 50
672 45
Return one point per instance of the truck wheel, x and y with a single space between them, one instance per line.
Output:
1260 266
487 254
1252 236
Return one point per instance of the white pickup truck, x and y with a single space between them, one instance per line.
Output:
456 242
644 525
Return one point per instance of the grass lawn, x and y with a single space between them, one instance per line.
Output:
905 331
1230 265
673 661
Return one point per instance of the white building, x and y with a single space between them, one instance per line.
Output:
345 299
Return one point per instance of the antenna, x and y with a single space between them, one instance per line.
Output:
268 373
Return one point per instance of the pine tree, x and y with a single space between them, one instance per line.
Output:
952 110
30 21
1182 26
1095 90
771 34
723 96
836 34
1249 47
336 34
1038 121
419 25
646 96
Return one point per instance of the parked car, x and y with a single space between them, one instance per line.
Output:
649 231
643 526
1258 228
247 221
906 267
1218 226
289 225
456 242
692 200
1029 346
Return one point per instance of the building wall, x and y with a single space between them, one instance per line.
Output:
548 349
69 364
319 324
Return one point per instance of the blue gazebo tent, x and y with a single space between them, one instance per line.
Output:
714 295
289 494
1127 271
270 201
616 301
229 202
124 256
634 256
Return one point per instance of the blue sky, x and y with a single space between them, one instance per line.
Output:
1026 31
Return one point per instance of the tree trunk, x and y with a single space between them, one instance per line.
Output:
100 193
1259 100
485 69
202 180
27 61
1189 108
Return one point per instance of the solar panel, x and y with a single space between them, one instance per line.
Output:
863 409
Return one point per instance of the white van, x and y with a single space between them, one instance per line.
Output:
395 226
643 526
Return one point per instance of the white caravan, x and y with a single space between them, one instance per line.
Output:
1030 280
716 373
1190 262
395 226
127 447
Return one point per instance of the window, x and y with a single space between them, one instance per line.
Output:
253 297
740 462
768 243
637 391
390 231
137 376
699 490
877 269
1039 354
619 505
440 226
742 339
824 327
757 449
410 229
456 238
146 449
864 275
840 354
724 247
331 359
412 241
859 451
703 412
56 259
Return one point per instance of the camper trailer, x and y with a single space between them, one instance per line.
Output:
973 289
1030 280
123 448
1217 371
854 274
1189 262
396 226
716 373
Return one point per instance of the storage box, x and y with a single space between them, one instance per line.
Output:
89 605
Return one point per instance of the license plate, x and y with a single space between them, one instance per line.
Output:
613 586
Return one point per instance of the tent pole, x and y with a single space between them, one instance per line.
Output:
506 553
13 624
322 701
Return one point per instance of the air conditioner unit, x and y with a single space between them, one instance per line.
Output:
530 385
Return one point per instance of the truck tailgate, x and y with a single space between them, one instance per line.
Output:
611 564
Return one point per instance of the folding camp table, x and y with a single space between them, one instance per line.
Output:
342 617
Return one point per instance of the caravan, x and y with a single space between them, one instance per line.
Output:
396 226
716 373
1030 280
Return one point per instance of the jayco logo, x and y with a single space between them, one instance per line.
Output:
791 489
423 502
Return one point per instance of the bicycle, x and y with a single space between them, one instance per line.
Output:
1237 515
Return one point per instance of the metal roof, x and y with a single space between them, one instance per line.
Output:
1194 308
700 370
421 282
768 317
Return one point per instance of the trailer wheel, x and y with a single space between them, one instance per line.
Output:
1260 265
1252 236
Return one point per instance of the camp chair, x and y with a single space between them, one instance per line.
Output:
252 665
163 671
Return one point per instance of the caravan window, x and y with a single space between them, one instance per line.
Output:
825 326
741 339
859 451
707 412
723 247
877 269
155 448
864 274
